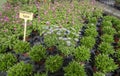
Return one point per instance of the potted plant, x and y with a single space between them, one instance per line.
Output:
39 74
82 54
117 27
93 20
21 47
74 69
115 21
107 38
91 32
7 61
106 48
90 25
106 23
66 50
108 18
99 74
53 63
50 40
3 48
37 53
104 63
88 42
108 30
20 69
117 55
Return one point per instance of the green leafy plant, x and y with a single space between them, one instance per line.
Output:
108 18
91 25
37 53
53 63
106 23
20 69
7 61
88 41
91 32
115 21
50 40
3 48
74 69
106 48
39 74
82 54
13 2
117 27
105 64
93 20
108 30
99 74
21 47
117 54
107 38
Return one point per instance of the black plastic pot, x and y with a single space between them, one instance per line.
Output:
3 74
67 60
58 73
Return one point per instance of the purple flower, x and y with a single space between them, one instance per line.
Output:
53 8
6 30
6 19
15 28
93 2
47 23
45 12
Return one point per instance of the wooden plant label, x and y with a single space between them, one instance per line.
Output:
26 16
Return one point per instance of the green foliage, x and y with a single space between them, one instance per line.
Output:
66 50
3 48
106 23
37 53
53 63
108 30
108 18
91 32
93 20
117 27
117 54
98 13
39 74
91 25
99 74
105 64
21 47
88 42
106 48
7 61
74 69
16 1
20 69
82 54
107 38
115 21
50 40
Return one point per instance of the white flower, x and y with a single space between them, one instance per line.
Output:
68 43
60 38
58 33
65 39
76 39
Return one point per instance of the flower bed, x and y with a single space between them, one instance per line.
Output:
63 39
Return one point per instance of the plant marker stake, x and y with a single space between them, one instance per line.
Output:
25 27
26 16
